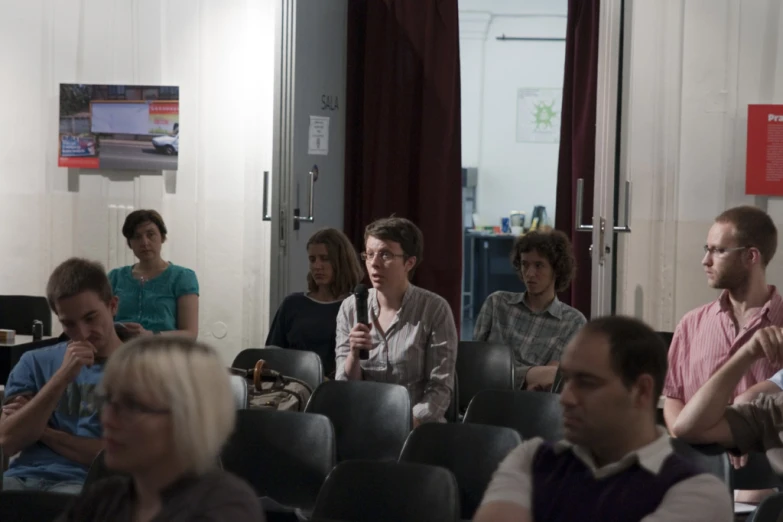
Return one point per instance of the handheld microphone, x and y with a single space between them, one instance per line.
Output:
362 315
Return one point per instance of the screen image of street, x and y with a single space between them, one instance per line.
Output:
119 127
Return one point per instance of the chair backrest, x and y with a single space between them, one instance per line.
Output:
239 387
452 412
371 419
472 452
284 455
770 509
483 366
667 338
300 364
532 414
32 506
362 491
17 312
756 474
99 471
709 457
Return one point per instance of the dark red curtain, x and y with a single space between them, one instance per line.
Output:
577 140
403 130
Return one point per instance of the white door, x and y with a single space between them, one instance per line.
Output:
306 183
611 191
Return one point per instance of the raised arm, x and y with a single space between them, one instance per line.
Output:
703 419
26 425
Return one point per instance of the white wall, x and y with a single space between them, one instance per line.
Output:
221 54
511 175
694 68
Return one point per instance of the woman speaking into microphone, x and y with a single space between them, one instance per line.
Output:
410 338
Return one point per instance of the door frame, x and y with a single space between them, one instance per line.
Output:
282 150
611 191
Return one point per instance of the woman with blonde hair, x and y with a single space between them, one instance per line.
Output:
307 321
167 410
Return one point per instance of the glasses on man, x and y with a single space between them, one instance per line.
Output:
719 251
127 406
385 255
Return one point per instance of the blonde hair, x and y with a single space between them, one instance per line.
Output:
187 377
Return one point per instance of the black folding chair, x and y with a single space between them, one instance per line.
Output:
770 509
371 419
708 457
532 414
32 506
303 365
756 474
362 491
472 452
17 312
483 366
284 455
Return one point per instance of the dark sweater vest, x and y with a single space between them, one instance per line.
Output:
565 490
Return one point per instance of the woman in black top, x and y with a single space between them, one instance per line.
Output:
307 321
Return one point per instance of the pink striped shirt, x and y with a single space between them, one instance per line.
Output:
706 338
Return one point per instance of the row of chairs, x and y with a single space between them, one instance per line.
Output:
287 456
480 366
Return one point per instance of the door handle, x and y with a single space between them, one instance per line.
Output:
267 216
626 226
580 192
310 217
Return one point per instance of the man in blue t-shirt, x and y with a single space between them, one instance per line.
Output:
50 415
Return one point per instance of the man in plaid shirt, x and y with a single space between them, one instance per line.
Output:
535 323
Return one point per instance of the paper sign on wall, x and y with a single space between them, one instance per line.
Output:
538 115
764 162
318 136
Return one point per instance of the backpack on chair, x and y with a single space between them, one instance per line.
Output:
271 390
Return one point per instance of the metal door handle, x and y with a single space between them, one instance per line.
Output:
580 192
626 227
267 216
310 217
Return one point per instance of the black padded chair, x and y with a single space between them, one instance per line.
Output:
532 414
756 474
483 366
709 457
32 506
770 509
452 412
284 455
303 365
99 471
667 338
17 312
471 451
362 491
371 419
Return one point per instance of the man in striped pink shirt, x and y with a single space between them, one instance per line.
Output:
740 244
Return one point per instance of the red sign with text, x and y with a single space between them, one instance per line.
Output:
764 164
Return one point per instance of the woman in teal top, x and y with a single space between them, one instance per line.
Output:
156 297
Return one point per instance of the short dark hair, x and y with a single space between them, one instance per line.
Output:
74 276
345 262
635 349
403 231
754 228
555 246
139 217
